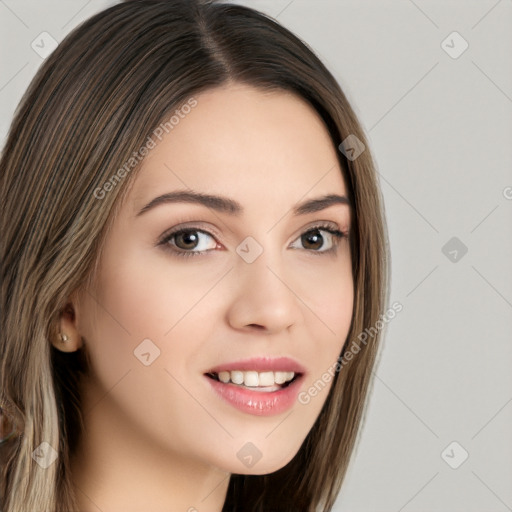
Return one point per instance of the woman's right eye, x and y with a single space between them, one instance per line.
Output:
182 241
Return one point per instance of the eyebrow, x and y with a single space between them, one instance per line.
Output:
231 207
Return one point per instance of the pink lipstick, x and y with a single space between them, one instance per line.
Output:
261 386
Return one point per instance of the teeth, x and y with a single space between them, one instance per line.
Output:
224 376
280 377
255 379
251 379
265 379
237 377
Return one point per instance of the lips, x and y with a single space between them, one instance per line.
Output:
261 386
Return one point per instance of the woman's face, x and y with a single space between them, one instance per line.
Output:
248 295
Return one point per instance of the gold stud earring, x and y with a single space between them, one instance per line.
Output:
64 337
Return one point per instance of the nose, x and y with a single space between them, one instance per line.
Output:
263 297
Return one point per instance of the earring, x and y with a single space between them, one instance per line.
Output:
64 337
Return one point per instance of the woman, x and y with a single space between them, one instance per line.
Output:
193 241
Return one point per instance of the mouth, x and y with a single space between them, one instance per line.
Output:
260 386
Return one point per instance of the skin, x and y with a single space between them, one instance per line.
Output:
156 437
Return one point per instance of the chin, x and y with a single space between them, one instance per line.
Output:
260 465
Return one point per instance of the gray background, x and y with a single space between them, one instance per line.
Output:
440 129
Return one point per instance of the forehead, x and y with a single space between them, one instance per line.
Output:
245 143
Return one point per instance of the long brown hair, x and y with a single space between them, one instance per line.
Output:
92 103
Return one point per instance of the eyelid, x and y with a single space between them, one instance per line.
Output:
321 224
210 229
191 225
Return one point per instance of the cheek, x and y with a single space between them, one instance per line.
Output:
336 303
328 292
124 309
147 296
143 306
138 313
331 302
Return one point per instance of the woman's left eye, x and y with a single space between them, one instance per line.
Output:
314 238
193 241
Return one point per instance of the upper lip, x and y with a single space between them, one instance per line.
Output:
261 364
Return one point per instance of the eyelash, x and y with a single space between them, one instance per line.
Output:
186 254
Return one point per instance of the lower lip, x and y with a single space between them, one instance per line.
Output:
259 403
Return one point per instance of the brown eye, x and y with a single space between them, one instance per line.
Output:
189 242
312 240
186 239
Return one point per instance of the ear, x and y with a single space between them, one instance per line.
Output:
68 338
